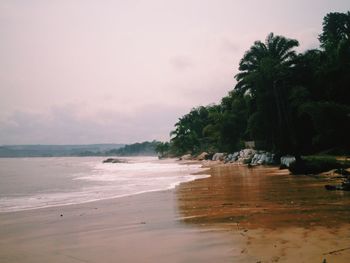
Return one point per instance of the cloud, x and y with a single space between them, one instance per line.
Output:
122 71
181 63
67 125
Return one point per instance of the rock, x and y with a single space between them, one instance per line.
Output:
342 172
209 156
232 157
247 153
270 158
245 156
256 158
186 157
287 160
262 158
283 167
202 156
113 160
345 186
218 157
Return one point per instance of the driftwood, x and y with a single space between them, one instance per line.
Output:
336 251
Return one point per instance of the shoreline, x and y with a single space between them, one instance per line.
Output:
227 217
140 228
44 201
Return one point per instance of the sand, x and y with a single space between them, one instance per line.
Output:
237 215
281 217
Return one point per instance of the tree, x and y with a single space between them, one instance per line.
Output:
336 31
163 149
335 69
188 134
264 73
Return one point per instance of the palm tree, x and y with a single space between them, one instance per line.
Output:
264 72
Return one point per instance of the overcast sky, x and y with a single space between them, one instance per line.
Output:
81 71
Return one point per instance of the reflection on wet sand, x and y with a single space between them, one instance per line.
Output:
274 216
262 197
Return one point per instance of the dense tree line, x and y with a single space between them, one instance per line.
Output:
284 101
136 149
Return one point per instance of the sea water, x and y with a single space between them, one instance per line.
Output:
31 183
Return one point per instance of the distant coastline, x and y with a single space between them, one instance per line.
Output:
113 149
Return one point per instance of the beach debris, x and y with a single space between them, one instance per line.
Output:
336 251
344 186
61 215
114 160
275 259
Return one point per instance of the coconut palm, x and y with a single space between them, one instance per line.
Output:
264 72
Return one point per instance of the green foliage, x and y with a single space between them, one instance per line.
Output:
336 30
136 149
315 165
287 102
265 69
163 149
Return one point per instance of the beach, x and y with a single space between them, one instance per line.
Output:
236 215
140 228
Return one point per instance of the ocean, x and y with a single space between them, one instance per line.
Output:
32 183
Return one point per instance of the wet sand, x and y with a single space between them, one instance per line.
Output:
141 228
283 218
237 215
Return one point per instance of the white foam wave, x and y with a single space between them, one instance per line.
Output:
110 181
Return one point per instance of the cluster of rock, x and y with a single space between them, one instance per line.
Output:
287 160
114 160
245 156
250 156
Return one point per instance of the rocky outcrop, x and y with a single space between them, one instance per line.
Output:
202 156
250 156
246 156
262 158
287 160
218 157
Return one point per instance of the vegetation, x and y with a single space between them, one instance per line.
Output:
56 150
136 149
286 102
315 165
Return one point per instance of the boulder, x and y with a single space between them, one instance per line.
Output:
287 160
262 158
232 157
202 156
218 157
247 153
113 160
186 157
270 158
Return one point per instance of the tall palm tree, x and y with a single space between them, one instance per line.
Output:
264 71
276 52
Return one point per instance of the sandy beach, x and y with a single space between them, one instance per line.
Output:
141 228
236 215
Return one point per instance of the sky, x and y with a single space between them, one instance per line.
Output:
113 71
